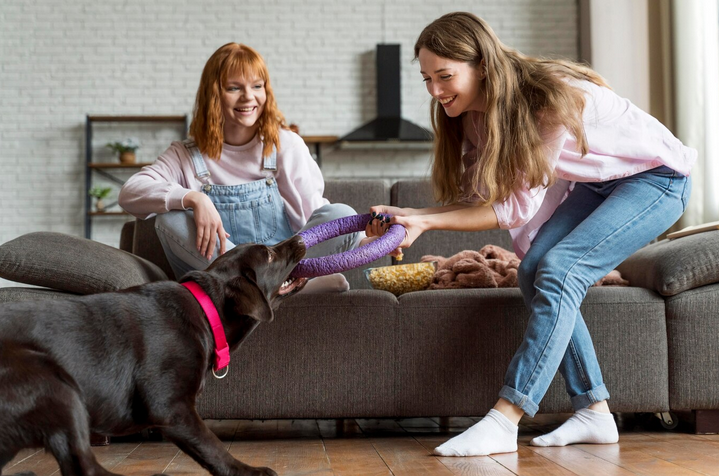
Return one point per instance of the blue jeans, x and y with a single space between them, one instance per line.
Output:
596 228
177 233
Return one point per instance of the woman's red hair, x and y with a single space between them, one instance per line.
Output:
207 119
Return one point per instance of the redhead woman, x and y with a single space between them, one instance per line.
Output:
580 177
242 177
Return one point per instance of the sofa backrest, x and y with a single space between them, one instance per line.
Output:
418 194
360 194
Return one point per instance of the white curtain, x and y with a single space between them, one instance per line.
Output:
695 39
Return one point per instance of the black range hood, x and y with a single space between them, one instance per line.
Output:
388 127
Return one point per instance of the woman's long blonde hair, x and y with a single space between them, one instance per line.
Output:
208 121
525 98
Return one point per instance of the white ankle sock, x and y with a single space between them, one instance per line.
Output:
493 434
331 283
585 426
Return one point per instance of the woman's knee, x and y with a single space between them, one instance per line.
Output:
327 213
563 273
333 211
176 221
550 265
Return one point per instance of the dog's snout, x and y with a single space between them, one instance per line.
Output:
300 246
300 249
294 248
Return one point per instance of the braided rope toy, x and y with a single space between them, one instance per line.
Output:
313 267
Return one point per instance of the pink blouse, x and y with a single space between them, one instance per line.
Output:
623 140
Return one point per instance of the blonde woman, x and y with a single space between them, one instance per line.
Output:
580 177
243 177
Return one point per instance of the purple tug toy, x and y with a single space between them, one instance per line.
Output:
313 267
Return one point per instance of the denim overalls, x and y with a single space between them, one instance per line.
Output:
251 212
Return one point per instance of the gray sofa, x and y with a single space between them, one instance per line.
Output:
367 353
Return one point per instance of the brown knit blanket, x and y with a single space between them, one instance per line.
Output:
490 267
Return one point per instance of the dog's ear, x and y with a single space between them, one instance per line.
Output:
248 299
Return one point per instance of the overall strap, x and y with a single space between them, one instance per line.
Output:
201 172
271 161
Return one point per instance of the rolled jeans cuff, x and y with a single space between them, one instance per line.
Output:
519 399
597 394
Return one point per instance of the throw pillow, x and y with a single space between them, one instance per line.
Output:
72 264
673 266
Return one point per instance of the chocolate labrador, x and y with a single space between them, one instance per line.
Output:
117 363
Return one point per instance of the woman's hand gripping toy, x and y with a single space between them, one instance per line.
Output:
313 267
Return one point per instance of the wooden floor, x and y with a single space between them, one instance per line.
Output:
403 447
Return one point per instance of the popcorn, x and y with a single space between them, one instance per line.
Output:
402 278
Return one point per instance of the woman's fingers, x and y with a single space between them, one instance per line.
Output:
211 242
206 240
209 229
223 239
200 236
371 228
378 224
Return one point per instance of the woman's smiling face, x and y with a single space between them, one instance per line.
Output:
456 85
243 101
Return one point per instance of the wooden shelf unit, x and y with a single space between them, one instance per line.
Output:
104 168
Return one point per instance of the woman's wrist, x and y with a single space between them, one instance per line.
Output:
421 222
191 199
408 212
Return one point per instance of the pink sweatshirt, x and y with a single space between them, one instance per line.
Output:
623 140
160 187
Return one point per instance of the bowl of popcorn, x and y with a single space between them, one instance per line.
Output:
402 278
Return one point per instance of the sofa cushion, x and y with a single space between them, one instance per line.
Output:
673 266
454 347
324 356
72 264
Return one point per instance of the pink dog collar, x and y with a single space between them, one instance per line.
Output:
222 351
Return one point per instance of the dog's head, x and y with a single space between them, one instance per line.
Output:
256 278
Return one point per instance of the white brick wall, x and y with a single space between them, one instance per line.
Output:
61 60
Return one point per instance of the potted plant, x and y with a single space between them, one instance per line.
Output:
99 193
126 149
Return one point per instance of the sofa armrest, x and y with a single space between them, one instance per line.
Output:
672 266
146 244
126 236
